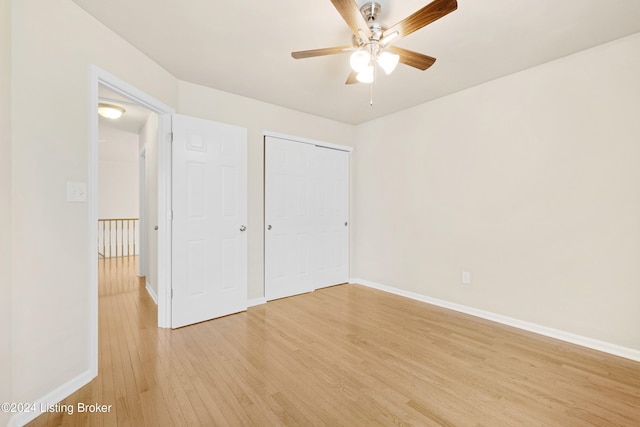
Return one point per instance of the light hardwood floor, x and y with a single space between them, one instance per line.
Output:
341 356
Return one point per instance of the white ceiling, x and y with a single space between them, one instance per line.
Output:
244 46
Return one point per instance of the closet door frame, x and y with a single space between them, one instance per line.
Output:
300 140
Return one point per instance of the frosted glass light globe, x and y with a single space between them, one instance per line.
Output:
359 60
366 75
388 61
110 111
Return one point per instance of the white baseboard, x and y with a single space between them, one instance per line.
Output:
616 350
256 301
60 393
152 293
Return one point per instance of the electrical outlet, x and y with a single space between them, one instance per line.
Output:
466 277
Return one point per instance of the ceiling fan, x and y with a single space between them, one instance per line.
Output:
371 42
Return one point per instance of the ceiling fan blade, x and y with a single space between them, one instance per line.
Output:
352 78
320 52
413 59
431 12
351 14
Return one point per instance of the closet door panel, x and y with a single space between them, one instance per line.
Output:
306 217
288 227
332 219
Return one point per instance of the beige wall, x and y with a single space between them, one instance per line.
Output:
149 140
5 206
54 43
118 190
530 182
256 116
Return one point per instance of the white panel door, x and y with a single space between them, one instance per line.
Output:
209 241
287 218
331 211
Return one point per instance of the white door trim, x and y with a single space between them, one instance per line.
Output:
142 212
99 76
307 141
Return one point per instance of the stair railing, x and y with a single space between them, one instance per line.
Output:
117 237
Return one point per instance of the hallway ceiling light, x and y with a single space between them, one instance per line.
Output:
110 111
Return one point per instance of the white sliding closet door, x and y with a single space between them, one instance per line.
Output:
287 213
306 217
330 192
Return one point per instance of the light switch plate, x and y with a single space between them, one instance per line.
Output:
76 191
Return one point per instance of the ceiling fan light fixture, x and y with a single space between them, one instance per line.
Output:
110 111
366 75
388 61
360 60
370 38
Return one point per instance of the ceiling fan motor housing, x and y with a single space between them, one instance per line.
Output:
370 10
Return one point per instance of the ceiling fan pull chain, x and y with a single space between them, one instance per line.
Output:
371 97
375 75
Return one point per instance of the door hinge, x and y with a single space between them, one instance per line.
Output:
171 292
172 215
170 137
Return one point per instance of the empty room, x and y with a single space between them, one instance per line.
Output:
319 213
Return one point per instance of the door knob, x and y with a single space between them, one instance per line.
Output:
155 228
346 223
243 228
269 227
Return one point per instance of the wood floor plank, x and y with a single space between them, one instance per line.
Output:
340 356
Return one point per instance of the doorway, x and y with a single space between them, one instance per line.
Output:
125 172
102 80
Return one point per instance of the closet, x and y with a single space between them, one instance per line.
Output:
306 216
